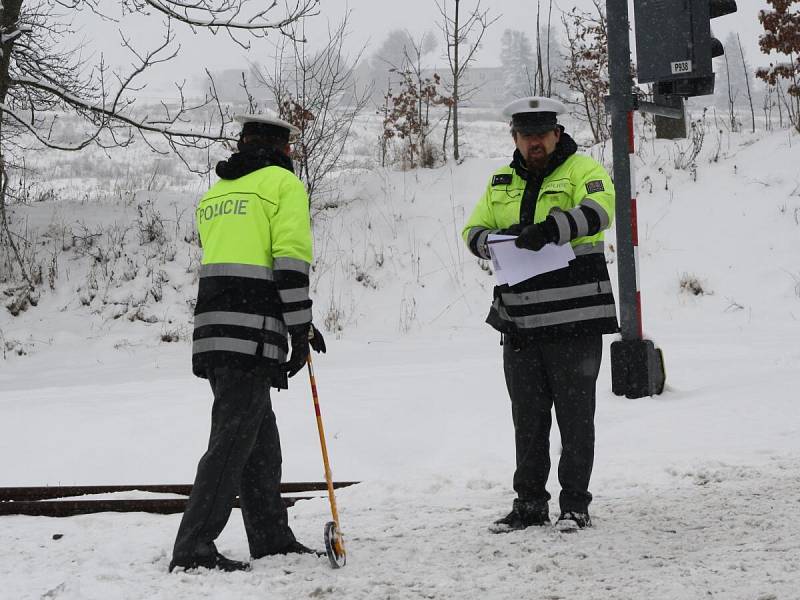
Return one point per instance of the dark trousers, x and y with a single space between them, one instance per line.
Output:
539 376
243 457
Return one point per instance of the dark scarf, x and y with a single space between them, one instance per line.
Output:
252 157
565 148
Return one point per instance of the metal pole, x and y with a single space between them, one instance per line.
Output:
637 366
621 103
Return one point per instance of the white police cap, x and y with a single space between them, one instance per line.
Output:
534 114
534 104
268 119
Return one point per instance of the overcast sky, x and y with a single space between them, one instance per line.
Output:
372 20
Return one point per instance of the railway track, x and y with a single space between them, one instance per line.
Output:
67 501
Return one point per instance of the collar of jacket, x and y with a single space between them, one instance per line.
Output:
252 159
565 148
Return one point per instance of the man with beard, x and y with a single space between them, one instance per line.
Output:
551 324
255 231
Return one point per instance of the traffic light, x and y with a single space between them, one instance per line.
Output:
674 45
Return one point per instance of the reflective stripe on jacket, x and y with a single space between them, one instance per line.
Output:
253 290
578 299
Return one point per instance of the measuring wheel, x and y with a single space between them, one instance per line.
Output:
333 546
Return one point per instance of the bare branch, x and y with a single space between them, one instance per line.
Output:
318 94
230 15
586 70
457 34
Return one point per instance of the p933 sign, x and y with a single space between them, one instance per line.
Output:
681 67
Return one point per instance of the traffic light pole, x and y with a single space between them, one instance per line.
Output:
621 103
637 367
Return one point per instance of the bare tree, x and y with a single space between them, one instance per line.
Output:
412 62
462 40
384 110
586 70
731 98
44 79
549 89
316 92
428 94
409 118
747 82
40 81
526 73
736 74
407 68
766 106
539 60
546 43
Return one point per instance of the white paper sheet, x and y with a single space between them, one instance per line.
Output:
512 264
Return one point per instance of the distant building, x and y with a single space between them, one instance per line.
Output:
479 87
488 86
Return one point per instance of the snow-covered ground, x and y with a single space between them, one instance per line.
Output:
696 490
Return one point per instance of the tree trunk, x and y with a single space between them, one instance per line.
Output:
731 111
539 66
796 99
456 76
549 71
747 83
9 17
446 130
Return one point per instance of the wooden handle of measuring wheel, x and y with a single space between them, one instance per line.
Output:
324 447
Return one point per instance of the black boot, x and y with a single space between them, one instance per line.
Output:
571 520
294 548
212 561
523 514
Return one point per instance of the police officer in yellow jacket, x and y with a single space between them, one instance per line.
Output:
255 231
551 324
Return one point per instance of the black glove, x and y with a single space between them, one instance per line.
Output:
515 229
316 340
300 350
534 237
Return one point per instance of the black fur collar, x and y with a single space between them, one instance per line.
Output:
250 159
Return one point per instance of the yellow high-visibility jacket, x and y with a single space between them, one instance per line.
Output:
257 250
577 191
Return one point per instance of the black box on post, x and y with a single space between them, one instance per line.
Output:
637 368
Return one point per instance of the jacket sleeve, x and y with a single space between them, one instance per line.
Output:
594 211
480 224
290 231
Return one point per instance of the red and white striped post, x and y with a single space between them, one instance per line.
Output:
634 225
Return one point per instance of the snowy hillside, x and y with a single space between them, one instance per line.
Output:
696 491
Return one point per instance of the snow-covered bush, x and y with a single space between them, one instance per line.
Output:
692 284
